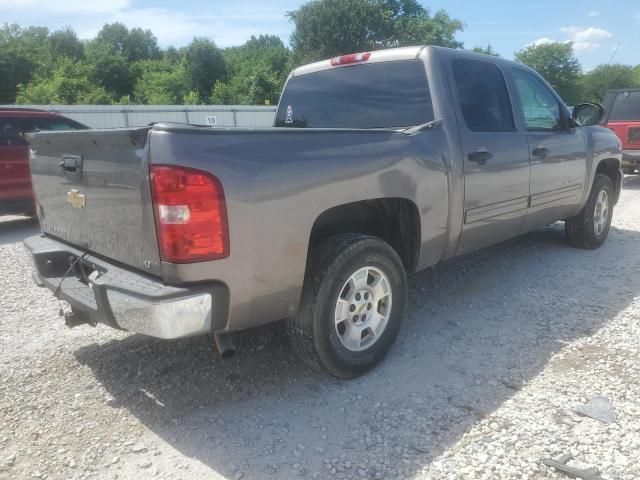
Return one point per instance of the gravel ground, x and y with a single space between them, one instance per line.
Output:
482 388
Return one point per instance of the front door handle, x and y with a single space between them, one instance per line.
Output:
481 156
540 152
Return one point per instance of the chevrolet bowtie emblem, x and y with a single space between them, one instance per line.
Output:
76 199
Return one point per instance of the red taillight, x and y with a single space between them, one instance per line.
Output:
351 58
191 214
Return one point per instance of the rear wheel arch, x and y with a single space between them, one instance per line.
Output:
395 220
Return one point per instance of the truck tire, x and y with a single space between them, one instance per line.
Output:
352 305
589 229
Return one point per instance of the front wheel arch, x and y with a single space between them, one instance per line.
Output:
611 167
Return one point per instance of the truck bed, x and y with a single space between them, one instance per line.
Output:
276 181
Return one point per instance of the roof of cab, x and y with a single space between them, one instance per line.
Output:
405 53
28 112
387 55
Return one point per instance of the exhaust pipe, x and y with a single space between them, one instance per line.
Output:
224 344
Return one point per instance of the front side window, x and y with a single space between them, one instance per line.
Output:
483 96
540 107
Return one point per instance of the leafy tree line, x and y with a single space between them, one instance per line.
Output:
557 63
122 65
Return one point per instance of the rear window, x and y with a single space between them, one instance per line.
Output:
376 95
626 107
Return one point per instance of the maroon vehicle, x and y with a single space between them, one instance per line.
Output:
622 115
16 194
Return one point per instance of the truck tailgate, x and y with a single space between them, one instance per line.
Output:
92 191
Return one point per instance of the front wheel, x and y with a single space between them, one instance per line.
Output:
353 301
589 229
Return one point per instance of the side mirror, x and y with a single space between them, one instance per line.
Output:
586 114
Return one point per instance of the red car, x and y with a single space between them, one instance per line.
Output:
622 115
16 194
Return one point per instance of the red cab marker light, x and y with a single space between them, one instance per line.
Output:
351 58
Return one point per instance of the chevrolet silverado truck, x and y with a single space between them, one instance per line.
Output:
379 164
622 115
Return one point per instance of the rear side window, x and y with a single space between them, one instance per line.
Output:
626 107
483 96
11 133
376 95
51 124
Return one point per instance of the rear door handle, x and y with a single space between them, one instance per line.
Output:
540 152
480 156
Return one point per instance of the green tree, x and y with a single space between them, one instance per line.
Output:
113 53
604 77
112 37
256 72
23 52
558 65
70 83
159 83
134 45
14 70
251 88
204 66
141 45
325 28
488 50
112 71
65 43
192 98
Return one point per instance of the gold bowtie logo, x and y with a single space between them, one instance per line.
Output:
76 199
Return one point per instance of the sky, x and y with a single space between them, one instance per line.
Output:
600 29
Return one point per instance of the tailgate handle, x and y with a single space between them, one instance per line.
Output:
71 166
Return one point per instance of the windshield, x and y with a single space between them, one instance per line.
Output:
376 95
626 107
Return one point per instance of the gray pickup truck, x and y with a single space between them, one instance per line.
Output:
379 164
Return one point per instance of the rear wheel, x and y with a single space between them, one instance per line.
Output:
352 305
589 229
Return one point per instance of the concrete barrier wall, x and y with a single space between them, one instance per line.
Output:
114 116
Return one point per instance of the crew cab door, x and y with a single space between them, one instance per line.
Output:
557 149
496 154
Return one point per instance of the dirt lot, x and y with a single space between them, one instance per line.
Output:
482 388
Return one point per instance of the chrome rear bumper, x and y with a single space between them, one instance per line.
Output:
110 294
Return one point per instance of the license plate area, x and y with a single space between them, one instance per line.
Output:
59 264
